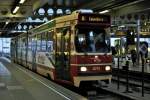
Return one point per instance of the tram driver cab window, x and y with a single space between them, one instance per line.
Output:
81 39
92 40
100 42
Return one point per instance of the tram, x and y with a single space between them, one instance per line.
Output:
71 49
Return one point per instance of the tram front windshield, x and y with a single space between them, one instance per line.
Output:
92 40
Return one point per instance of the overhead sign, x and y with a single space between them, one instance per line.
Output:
94 18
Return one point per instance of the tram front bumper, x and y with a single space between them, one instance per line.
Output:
78 79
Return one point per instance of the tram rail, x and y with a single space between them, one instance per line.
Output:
103 93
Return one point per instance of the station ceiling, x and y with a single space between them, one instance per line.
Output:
9 22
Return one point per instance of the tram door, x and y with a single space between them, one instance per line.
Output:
63 55
33 54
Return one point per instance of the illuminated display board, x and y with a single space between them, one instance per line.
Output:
94 18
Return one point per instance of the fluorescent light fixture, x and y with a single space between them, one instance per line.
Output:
83 11
105 11
16 9
22 1
15 31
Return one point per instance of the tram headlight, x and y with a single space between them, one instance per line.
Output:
107 68
148 61
83 69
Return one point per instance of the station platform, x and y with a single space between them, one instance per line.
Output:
18 83
136 67
135 93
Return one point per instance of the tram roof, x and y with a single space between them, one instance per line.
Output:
52 23
43 28
66 20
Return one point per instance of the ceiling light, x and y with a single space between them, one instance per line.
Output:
22 1
16 9
85 11
105 11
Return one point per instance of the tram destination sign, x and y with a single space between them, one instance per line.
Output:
94 18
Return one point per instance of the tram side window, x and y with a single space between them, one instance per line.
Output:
81 42
50 42
66 41
38 42
23 47
50 46
63 40
43 42
29 43
34 43
21 44
19 48
58 42
91 40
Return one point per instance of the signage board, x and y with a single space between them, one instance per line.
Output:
94 18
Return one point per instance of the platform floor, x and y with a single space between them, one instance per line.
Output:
18 83
131 67
136 91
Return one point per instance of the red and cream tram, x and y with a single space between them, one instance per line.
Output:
72 49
